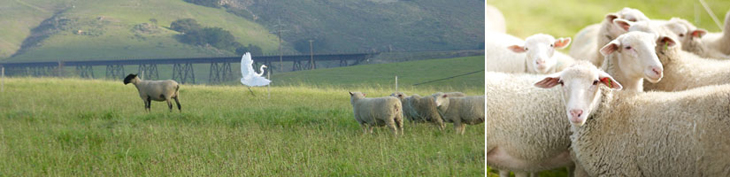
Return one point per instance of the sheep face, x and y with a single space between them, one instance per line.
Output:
627 14
539 50
399 95
636 55
354 96
688 35
580 86
130 78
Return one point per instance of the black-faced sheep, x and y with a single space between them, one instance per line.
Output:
162 90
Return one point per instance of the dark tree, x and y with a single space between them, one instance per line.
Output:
185 25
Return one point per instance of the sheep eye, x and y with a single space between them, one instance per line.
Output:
525 48
551 45
628 47
632 20
595 82
681 35
560 82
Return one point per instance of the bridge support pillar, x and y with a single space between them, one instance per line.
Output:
150 71
219 72
85 71
115 71
183 73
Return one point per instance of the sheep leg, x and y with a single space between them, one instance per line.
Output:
169 104
148 104
391 124
521 174
364 128
462 128
457 125
178 104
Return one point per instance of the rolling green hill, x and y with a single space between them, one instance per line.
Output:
45 30
383 75
93 30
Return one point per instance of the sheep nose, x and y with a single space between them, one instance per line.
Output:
576 112
657 70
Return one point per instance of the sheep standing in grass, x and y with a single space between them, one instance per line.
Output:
618 133
370 112
460 110
163 90
423 109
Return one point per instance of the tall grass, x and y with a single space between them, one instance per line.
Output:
72 127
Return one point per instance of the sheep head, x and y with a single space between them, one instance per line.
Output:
129 78
580 86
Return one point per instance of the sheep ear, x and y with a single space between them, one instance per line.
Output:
609 81
623 24
698 33
665 41
351 94
610 48
611 16
517 48
549 81
562 43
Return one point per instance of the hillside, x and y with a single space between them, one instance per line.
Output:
93 30
409 73
381 25
44 30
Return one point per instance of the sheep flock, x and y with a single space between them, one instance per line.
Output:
633 96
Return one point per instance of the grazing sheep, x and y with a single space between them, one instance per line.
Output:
630 58
495 20
618 133
423 109
602 33
684 70
163 90
719 41
370 112
460 110
527 131
539 54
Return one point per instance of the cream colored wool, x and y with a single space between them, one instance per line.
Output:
382 111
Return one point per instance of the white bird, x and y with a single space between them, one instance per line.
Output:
250 77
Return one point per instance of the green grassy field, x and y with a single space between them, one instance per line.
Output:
409 73
74 127
564 18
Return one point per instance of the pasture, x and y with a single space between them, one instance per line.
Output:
75 127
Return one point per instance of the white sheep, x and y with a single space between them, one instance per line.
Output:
590 39
535 55
526 127
618 133
689 36
495 20
370 112
460 110
423 109
684 70
719 41
162 90
631 57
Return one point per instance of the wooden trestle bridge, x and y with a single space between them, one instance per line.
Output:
182 68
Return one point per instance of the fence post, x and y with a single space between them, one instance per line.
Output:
2 84
396 84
